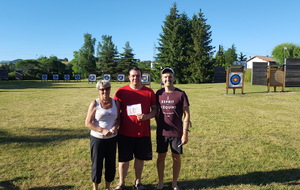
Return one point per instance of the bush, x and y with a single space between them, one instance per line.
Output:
11 76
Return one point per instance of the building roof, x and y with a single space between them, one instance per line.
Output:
265 58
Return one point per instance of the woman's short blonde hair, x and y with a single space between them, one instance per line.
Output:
102 83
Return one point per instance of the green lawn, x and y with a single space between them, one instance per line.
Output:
249 141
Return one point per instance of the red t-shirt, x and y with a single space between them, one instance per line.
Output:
127 96
170 107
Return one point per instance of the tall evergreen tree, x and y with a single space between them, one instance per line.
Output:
230 56
107 54
201 68
126 59
174 43
220 57
86 61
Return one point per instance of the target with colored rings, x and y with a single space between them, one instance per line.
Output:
77 77
121 77
55 77
66 77
235 79
92 78
44 77
106 77
145 78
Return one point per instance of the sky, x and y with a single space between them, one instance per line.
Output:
33 28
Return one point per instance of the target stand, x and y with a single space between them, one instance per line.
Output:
92 78
235 78
276 77
55 78
77 77
44 77
146 79
121 77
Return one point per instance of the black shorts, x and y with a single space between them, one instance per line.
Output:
134 147
163 142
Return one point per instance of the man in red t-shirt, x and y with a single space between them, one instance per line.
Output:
138 106
173 103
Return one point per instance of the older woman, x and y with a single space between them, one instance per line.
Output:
103 121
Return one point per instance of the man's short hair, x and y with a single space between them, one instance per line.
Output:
135 68
167 70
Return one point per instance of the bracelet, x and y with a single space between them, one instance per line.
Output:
187 130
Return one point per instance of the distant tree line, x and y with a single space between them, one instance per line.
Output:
34 68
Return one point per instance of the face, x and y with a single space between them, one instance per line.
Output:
168 79
135 77
104 90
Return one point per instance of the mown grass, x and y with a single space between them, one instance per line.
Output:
248 141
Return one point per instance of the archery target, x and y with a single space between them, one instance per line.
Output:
106 77
145 78
92 78
77 77
235 79
121 77
55 77
66 77
44 77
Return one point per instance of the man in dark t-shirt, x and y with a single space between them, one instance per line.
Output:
173 104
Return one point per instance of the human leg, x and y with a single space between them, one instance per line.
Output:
123 169
97 160
138 167
176 169
125 149
160 165
110 161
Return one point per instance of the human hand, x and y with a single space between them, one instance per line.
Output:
106 132
140 117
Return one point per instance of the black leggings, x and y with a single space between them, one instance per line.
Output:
103 149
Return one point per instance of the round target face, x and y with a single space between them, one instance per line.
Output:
235 79
77 77
92 77
106 77
44 77
55 77
121 77
145 78
67 77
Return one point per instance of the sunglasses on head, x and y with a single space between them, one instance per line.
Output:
102 89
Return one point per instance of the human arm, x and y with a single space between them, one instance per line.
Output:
90 118
116 125
153 113
186 125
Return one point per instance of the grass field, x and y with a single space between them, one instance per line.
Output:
249 141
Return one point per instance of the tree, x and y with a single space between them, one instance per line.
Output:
126 59
174 44
230 56
220 57
201 67
30 68
107 55
86 61
286 50
242 57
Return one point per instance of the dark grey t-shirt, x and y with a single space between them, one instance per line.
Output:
170 107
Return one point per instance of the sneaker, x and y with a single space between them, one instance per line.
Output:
139 186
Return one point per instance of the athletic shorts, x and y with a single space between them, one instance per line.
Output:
163 142
134 147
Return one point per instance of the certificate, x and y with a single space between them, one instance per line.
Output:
134 109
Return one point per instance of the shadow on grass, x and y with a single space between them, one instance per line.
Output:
9 185
286 177
49 135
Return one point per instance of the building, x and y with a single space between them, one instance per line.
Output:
260 59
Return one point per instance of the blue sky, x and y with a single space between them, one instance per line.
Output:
33 28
